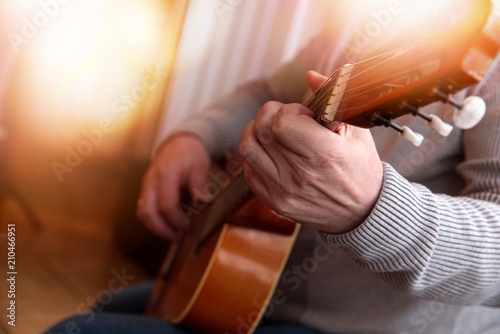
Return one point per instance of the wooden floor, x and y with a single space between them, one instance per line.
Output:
63 264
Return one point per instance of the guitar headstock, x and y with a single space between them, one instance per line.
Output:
405 77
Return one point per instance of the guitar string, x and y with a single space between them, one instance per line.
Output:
390 55
366 88
393 77
397 76
325 88
323 100
369 69
352 97
357 68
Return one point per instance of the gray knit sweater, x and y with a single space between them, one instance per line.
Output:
427 259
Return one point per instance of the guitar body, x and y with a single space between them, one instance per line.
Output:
226 286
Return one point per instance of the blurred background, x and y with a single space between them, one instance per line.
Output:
88 88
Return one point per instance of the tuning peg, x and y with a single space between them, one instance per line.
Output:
468 114
413 137
405 132
444 129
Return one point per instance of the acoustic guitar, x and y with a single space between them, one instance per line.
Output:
220 277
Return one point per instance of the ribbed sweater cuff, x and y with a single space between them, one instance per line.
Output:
398 235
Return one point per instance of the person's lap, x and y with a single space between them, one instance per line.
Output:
122 313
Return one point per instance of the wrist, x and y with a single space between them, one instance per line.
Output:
189 140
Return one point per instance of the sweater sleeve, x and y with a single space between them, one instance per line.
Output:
437 246
219 126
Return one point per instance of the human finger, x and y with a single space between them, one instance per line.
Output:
254 154
315 80
168 200
295 129
255 182
148 214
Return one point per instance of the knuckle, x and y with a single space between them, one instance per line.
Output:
244 150
285 206
263 122
280 207
260 122
271 106
279 123
284 116
265 135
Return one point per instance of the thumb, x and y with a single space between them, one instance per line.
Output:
315 80
336 127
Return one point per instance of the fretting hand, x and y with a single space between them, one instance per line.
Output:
327 178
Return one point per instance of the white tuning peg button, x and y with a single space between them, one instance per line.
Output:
444 129
408 134
470 114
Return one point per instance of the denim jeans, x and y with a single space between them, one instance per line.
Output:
122 314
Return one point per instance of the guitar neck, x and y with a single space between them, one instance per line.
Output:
403 78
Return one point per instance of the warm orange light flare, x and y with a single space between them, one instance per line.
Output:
379 22
82 62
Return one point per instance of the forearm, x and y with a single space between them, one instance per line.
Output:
433 246
219 126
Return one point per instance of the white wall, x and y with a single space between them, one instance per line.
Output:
228 42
